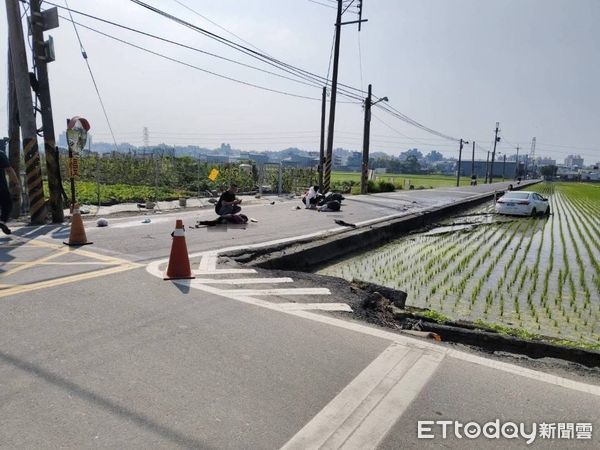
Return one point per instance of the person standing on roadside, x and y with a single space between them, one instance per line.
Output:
5 197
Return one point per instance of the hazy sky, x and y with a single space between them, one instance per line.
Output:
457 66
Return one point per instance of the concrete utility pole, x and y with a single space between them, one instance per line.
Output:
364 176
14 136
43 54
496 140
33 170
322 143
462 141
487 167
336 59
517 165
473 161
334 78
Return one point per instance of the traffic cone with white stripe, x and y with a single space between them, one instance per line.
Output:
77 235
179 262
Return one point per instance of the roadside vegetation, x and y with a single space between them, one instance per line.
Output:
540 275
139 177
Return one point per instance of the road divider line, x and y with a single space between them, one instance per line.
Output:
409 381
365 410
65 280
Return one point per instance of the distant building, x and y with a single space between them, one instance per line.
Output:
501 169
300 161
544 161
258 158
574 161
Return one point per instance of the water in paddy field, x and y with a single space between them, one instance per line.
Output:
541 274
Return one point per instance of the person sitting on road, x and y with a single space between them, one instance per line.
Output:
227 203
311 197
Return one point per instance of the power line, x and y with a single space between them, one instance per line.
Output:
322 4
85 58
263 57
191 65
394 112
217 25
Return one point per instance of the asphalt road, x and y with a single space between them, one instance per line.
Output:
97 351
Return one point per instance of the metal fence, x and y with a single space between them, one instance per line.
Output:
136 177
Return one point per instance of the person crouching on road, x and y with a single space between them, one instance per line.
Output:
227 203
311 197
5 197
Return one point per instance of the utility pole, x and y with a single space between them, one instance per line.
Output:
496 140
504 168
334 78
364 178
517 168
322 143
473 161
14 136
487 167
336 59
459 160
33 169
43 54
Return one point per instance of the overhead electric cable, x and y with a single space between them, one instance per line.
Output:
191 65
217 25
241 48
315 80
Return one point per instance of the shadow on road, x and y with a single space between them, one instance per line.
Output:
112 407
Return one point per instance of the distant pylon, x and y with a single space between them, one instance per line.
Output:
532 156
146 137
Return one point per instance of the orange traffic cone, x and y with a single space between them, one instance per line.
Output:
179 263
77 235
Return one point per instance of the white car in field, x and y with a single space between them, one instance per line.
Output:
522 203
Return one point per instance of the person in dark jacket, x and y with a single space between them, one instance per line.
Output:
5 194
228 203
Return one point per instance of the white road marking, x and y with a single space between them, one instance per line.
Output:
291 291
243 280
315 306
153 269
208 263
222 271
139 223
366 409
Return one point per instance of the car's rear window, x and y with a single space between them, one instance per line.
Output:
519 195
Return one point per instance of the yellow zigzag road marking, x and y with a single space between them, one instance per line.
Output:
78 251
34 263
65 280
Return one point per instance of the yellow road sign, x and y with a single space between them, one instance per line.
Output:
212 176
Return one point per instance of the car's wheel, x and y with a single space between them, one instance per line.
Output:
547 213
533 212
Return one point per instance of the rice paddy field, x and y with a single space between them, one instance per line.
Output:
405 180
538 274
